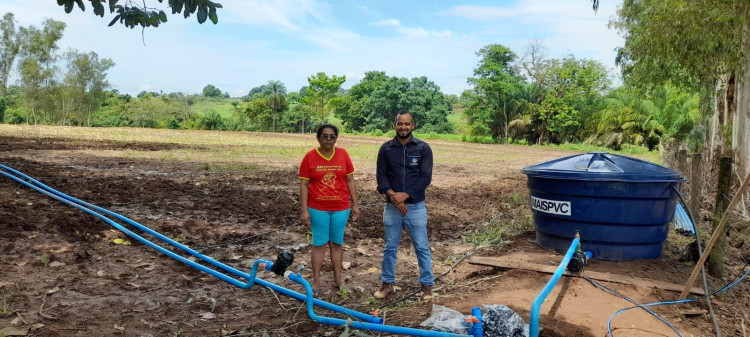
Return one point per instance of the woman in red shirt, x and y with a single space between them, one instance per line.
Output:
326 185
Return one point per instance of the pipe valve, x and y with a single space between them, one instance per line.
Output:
283 261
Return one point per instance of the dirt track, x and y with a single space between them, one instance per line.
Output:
91 286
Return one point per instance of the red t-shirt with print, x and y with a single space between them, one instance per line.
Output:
328 189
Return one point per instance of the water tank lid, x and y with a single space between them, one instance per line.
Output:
602 166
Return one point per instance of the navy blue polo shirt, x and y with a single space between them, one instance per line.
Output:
404 168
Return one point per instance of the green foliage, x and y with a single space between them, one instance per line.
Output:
458 123
373 103
83 92
496 82
211 121
147 111
14 117
497 228
10 46
687 43
258 114
131 14
343 292
276 96
320 90
211 91
3 106
663 114
572 88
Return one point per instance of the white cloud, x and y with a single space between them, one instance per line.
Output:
411 31
388 22
536 10
290 15
481 13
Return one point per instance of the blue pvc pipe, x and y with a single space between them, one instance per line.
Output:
86 207
477 329
364 325
534 320
306 298
123 218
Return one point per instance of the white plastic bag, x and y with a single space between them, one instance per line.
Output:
447 320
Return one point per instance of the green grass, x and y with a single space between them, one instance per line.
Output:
5 309
460 125
499 225
224 108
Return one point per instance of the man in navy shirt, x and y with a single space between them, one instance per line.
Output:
404 170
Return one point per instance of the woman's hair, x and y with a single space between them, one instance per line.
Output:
327 125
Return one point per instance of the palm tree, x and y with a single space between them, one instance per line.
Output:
628 119
276 95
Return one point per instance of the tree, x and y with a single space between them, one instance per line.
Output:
211 91
626 118
132 14
571 91
355 108
320 90
255 92
10 45
495 79
428 106
87 77
534 65
704 49
275 94
701 45
372 104
259 113
37 65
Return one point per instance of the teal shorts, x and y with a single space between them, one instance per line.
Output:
328 226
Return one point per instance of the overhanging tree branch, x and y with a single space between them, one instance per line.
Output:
131 13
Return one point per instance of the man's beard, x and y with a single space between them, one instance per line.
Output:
398 134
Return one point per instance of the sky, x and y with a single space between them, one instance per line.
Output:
257 41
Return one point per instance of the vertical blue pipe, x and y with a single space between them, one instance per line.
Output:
534 320
477 327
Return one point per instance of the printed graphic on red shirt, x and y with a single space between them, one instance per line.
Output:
328 189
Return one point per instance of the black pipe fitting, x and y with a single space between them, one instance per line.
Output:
283 261
577 262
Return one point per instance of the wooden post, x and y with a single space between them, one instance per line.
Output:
682 162
715 264
696 188
717 232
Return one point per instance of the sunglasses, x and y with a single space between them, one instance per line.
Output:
329 136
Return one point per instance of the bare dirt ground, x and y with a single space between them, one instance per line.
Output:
63 274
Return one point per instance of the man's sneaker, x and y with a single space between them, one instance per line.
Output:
384 290
426 293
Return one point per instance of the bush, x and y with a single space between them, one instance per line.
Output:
14 117
172 123
212 121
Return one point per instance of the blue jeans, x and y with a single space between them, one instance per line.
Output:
415 222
